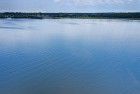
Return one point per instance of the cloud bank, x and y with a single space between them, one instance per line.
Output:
93 2
70 5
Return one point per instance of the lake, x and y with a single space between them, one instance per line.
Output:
69 56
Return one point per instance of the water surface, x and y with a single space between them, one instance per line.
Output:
64 56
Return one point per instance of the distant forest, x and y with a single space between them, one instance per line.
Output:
128 15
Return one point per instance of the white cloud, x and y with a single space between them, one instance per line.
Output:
93 2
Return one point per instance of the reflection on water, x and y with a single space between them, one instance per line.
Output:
69 56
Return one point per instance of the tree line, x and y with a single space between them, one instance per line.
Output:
68 15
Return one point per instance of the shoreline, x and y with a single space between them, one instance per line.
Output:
20 15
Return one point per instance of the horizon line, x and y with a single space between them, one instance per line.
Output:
69 12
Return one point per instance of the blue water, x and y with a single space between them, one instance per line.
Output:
69 56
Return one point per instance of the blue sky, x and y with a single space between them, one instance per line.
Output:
70 5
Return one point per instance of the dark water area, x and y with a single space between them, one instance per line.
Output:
64 56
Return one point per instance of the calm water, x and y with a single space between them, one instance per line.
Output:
69 56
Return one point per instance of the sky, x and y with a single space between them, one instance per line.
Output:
69 5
